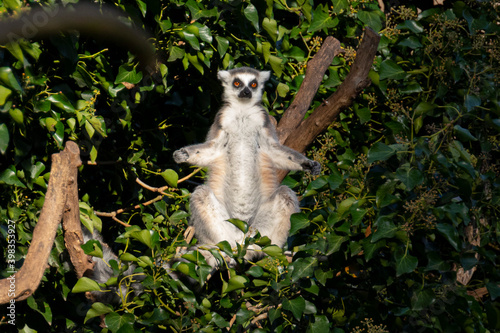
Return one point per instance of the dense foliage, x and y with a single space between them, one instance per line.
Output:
401 231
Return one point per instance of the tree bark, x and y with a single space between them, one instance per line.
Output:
302 135
72 226
27 279
316 68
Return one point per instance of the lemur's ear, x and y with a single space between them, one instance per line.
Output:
265 75
223 76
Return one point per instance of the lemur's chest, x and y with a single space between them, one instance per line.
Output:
243 132
243 124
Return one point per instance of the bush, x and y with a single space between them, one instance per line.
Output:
399 233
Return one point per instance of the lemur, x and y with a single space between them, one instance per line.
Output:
242 153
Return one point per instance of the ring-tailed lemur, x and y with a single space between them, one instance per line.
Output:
242 153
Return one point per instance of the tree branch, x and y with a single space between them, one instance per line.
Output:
71 219
316 68
27 279
357 80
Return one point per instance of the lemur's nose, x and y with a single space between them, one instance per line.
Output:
245 93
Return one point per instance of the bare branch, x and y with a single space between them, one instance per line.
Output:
316 68
357 80
62 177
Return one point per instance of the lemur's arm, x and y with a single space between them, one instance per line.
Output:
286 158
289 159
203 154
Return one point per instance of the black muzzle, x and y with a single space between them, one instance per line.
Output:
245 93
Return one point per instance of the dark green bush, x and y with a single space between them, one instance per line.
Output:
407 202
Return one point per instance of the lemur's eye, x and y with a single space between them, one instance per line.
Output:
237 83
253 84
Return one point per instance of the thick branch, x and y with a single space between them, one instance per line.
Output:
355 82
27 279
71 220
316 68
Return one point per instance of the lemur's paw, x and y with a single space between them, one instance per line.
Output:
312 166
181 155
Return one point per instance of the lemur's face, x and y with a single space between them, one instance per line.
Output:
245 84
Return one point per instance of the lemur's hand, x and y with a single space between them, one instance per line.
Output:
311 166
181 155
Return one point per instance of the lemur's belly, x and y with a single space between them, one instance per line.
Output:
244 180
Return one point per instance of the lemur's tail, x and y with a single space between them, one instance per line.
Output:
127 286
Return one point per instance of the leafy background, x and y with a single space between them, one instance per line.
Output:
399 233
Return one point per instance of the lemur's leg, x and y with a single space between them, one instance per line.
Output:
273 218
209 218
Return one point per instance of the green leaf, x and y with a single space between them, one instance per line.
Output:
370 249
422 299
62 102
371 19
4 138
334 242
218 320
242 225
463 133
171 177
271 27
255 271
298 221
58 134
405 263
275 63
424 108
339 5
93 248
222 45
320 325
120 323
176 53
385 229
198 11
142 7
177 216
282 89
273 250
411 42
409 176
471 102
8 79
235 283
380 152
296 306
364 114
303 268
9 177
4 94
97 309
143 236
450 232
493 289
251 14
411 25
391 70
321 19
130 76
85 284
345 205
